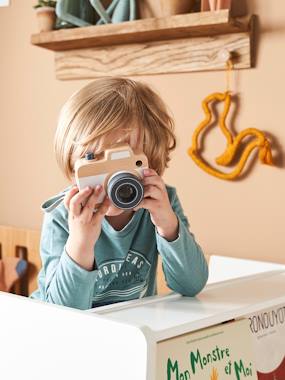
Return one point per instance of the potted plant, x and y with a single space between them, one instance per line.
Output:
46 14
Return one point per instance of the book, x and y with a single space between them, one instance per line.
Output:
224 352
268 330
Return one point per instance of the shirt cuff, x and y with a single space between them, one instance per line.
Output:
81 273
171 242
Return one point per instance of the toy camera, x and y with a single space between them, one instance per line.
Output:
120 173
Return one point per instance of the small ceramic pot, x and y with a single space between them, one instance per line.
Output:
46 18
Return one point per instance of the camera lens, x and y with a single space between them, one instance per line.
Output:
126 193
125 190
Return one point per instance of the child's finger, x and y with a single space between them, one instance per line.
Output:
149 172
101 212
89 206
75 202
69 195
152 192
147 203
154 180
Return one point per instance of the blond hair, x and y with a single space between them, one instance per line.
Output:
107 105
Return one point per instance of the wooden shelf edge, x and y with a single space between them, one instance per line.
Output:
145 30
153 58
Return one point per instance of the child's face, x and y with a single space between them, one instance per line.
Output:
119 137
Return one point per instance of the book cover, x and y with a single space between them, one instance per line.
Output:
222 352
268 330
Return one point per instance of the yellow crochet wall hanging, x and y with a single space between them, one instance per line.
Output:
233 142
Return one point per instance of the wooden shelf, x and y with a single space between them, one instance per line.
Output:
148 46
152 29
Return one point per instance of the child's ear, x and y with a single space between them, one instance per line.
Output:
73 178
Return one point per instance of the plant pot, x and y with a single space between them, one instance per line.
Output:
46 18
163 8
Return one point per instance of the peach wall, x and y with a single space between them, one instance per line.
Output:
244 218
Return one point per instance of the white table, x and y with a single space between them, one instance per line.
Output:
44 341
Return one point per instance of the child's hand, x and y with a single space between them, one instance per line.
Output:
157 202
84 223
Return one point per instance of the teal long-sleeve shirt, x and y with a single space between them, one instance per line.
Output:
126 260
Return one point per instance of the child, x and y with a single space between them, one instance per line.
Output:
96 257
